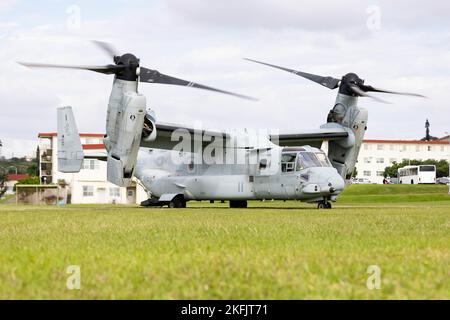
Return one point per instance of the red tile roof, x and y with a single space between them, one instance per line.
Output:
54 134
16 177
93 146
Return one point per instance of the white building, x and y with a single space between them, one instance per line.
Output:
90 185
376 155
11 180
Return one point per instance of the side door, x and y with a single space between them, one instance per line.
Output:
267 173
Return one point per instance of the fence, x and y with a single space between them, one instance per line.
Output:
41 194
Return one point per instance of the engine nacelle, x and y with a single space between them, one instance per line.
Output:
346 114
126 112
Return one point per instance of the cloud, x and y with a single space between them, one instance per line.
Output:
309 15
206 44
6 5
18 147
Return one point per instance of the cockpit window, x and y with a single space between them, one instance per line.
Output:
288 162
302 160
311 159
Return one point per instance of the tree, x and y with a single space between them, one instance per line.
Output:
33 170
441 167
354 173
2 184
29 180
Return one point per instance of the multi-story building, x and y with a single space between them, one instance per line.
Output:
90 185
376 155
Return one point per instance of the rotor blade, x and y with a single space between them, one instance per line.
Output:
372 89
328 82
108 69
154 76
361 93
108 48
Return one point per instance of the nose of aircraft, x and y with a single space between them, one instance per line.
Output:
327 180
336 183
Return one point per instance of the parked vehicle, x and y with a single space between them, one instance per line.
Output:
420 174
443 180
362 181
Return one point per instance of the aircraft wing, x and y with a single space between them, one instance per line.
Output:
313 138
169 135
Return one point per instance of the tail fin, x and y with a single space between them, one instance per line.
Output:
70 152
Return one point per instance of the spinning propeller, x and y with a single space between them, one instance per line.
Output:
126 67
350 84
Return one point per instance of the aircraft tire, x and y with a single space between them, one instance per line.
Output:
238 204
321 205
177 202
328 205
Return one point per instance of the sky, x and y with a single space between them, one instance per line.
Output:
398 45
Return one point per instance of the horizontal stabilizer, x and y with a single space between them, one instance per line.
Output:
70 152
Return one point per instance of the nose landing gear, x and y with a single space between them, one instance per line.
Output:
324 205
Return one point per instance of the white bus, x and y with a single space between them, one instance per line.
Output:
417 174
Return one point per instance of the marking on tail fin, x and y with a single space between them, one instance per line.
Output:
70 152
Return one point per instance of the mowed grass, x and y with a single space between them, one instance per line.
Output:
272 250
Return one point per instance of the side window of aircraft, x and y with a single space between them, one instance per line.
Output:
262 164
288 162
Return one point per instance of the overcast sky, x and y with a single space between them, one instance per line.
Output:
401 45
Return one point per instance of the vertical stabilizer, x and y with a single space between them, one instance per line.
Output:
70 152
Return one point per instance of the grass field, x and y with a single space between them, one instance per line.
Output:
273 250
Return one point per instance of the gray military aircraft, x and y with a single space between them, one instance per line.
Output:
178 163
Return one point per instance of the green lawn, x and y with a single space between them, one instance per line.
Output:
272 250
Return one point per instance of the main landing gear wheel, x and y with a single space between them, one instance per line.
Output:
324 205
238 204
177 202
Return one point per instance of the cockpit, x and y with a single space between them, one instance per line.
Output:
297 159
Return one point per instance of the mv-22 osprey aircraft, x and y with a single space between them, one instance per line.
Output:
178 163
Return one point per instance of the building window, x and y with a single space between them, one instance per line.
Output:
380 173
367 173
392 160
114 192
430 148
392 147
91 164
404 147
417 148
380 160
367 160
88 191
366 147
380 147
442 148
130 193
